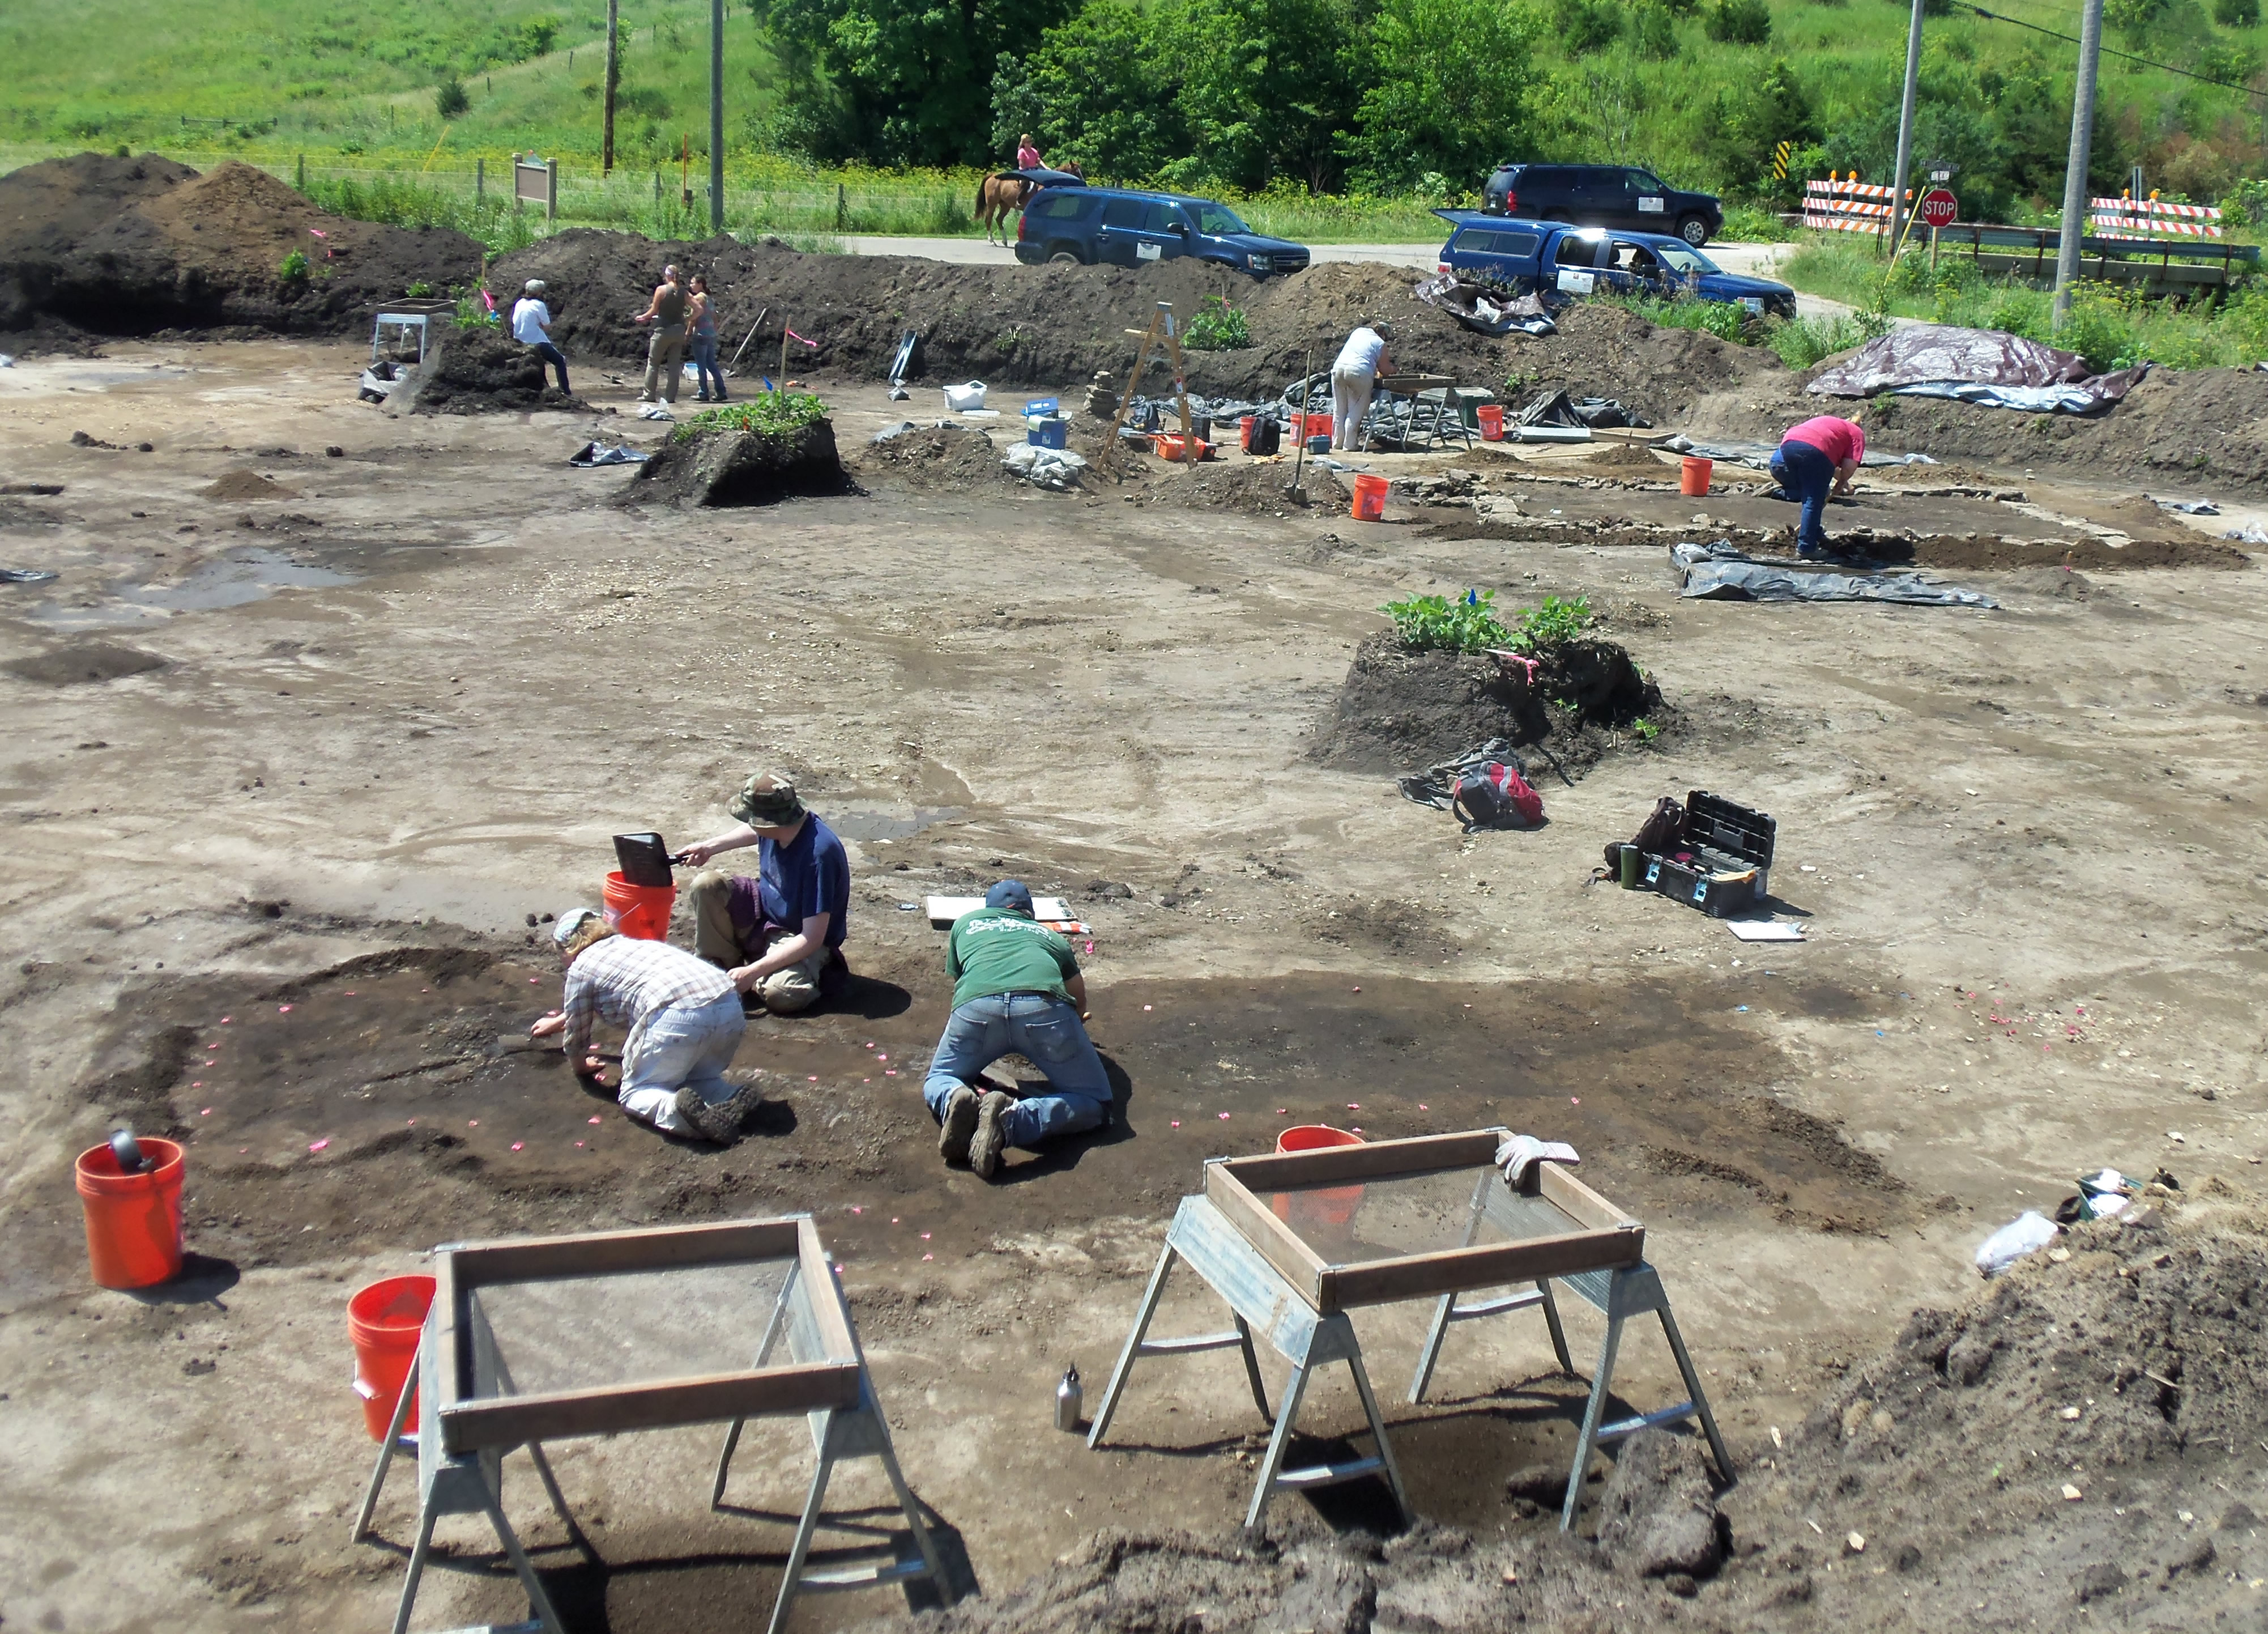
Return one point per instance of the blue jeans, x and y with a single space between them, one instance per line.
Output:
705 367
1046 1030
546 352
1806 473
675 1046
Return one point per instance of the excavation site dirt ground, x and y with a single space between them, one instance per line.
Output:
327 709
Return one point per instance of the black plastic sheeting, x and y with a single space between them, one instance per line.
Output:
1717 573
1729 451
1988 367
1483 309
1557 407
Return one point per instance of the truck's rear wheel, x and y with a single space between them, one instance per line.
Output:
1693 230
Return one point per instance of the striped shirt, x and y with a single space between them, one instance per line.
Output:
624 980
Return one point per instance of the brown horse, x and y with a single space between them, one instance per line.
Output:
1005 193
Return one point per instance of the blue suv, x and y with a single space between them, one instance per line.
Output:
1128 229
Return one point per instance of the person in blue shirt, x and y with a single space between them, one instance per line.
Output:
776 934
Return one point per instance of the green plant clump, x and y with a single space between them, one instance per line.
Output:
1802 341
473 313
293 269
772 414
1540 629
1436 624
1216 327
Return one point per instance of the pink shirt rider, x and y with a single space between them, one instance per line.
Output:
1839 440
1028 158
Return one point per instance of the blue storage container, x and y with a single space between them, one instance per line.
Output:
1048 435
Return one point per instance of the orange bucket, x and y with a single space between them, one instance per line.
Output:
1491 417
133 1221
1369 498
639 912
1332 1207
384 1320
1693 477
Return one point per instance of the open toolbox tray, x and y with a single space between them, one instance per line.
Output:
1723 865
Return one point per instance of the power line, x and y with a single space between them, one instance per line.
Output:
2163 67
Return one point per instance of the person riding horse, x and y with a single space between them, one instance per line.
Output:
1006 192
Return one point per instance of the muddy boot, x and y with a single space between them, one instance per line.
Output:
718 1122
957 1124
986 1145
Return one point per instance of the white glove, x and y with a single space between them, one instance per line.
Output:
1519 1152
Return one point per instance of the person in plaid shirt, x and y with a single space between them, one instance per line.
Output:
684 1018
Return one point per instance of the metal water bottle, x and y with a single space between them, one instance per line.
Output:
1068 1397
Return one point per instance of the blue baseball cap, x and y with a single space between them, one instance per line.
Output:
1010 893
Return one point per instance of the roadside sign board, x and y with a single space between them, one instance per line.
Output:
1938 208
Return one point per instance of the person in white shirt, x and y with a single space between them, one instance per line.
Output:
531 326
1353 377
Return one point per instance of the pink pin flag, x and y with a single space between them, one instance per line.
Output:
516 1145
282 1009
318 1145
595 1121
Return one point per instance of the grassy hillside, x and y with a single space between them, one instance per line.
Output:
352 87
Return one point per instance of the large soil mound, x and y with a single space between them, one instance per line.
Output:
733 466
482 370
130 246
1400 711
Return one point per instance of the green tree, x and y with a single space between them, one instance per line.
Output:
1652 31
2237 13
1269 88
1742 22
1099 88
1452 91
449 98
1587 26
912 79
1746 123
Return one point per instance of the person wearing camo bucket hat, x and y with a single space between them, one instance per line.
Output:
780 933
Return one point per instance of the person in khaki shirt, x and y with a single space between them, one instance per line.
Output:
665 352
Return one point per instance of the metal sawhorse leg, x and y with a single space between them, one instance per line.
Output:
472 1484
1259 1298
1633 1290
836 1434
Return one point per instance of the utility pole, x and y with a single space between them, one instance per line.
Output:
717 114
614 80
1905 130
2074 180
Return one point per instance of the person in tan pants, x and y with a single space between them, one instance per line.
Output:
778 932
665 353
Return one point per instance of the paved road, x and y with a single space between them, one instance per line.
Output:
1756 259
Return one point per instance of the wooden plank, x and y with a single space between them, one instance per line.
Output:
513 1420
1564 1192
1373 1160
1276 1242
1419 1276
824 1295
456 1363
597 1254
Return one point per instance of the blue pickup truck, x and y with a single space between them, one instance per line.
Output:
1528 256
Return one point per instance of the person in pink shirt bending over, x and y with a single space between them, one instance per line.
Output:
1815 459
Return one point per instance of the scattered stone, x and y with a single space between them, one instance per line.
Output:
1658 1513
2099 1581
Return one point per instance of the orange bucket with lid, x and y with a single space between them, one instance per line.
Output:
133 1221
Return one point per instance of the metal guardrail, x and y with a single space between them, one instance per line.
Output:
2045 241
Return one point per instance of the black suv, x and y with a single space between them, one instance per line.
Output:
1603 195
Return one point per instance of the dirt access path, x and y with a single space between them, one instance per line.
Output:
330 747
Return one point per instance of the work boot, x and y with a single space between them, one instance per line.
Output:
957 1125
717 1122
986 1145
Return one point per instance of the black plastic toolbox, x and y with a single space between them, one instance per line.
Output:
1723 863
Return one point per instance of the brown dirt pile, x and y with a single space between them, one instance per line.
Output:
732 467
1400 711
947 458
132 245
1623 459
1006 325
1931 1490
482 370
247 484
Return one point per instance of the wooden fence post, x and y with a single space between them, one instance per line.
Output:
551 198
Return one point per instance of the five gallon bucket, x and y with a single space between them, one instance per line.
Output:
1491 416
384 1321
1334 1206
639 912
1693 477
1369 498
133 1221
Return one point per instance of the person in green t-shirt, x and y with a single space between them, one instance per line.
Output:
1016 988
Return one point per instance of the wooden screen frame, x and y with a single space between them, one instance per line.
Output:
470 1424
1607 1239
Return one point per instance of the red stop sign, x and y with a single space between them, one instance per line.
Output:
1938 208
